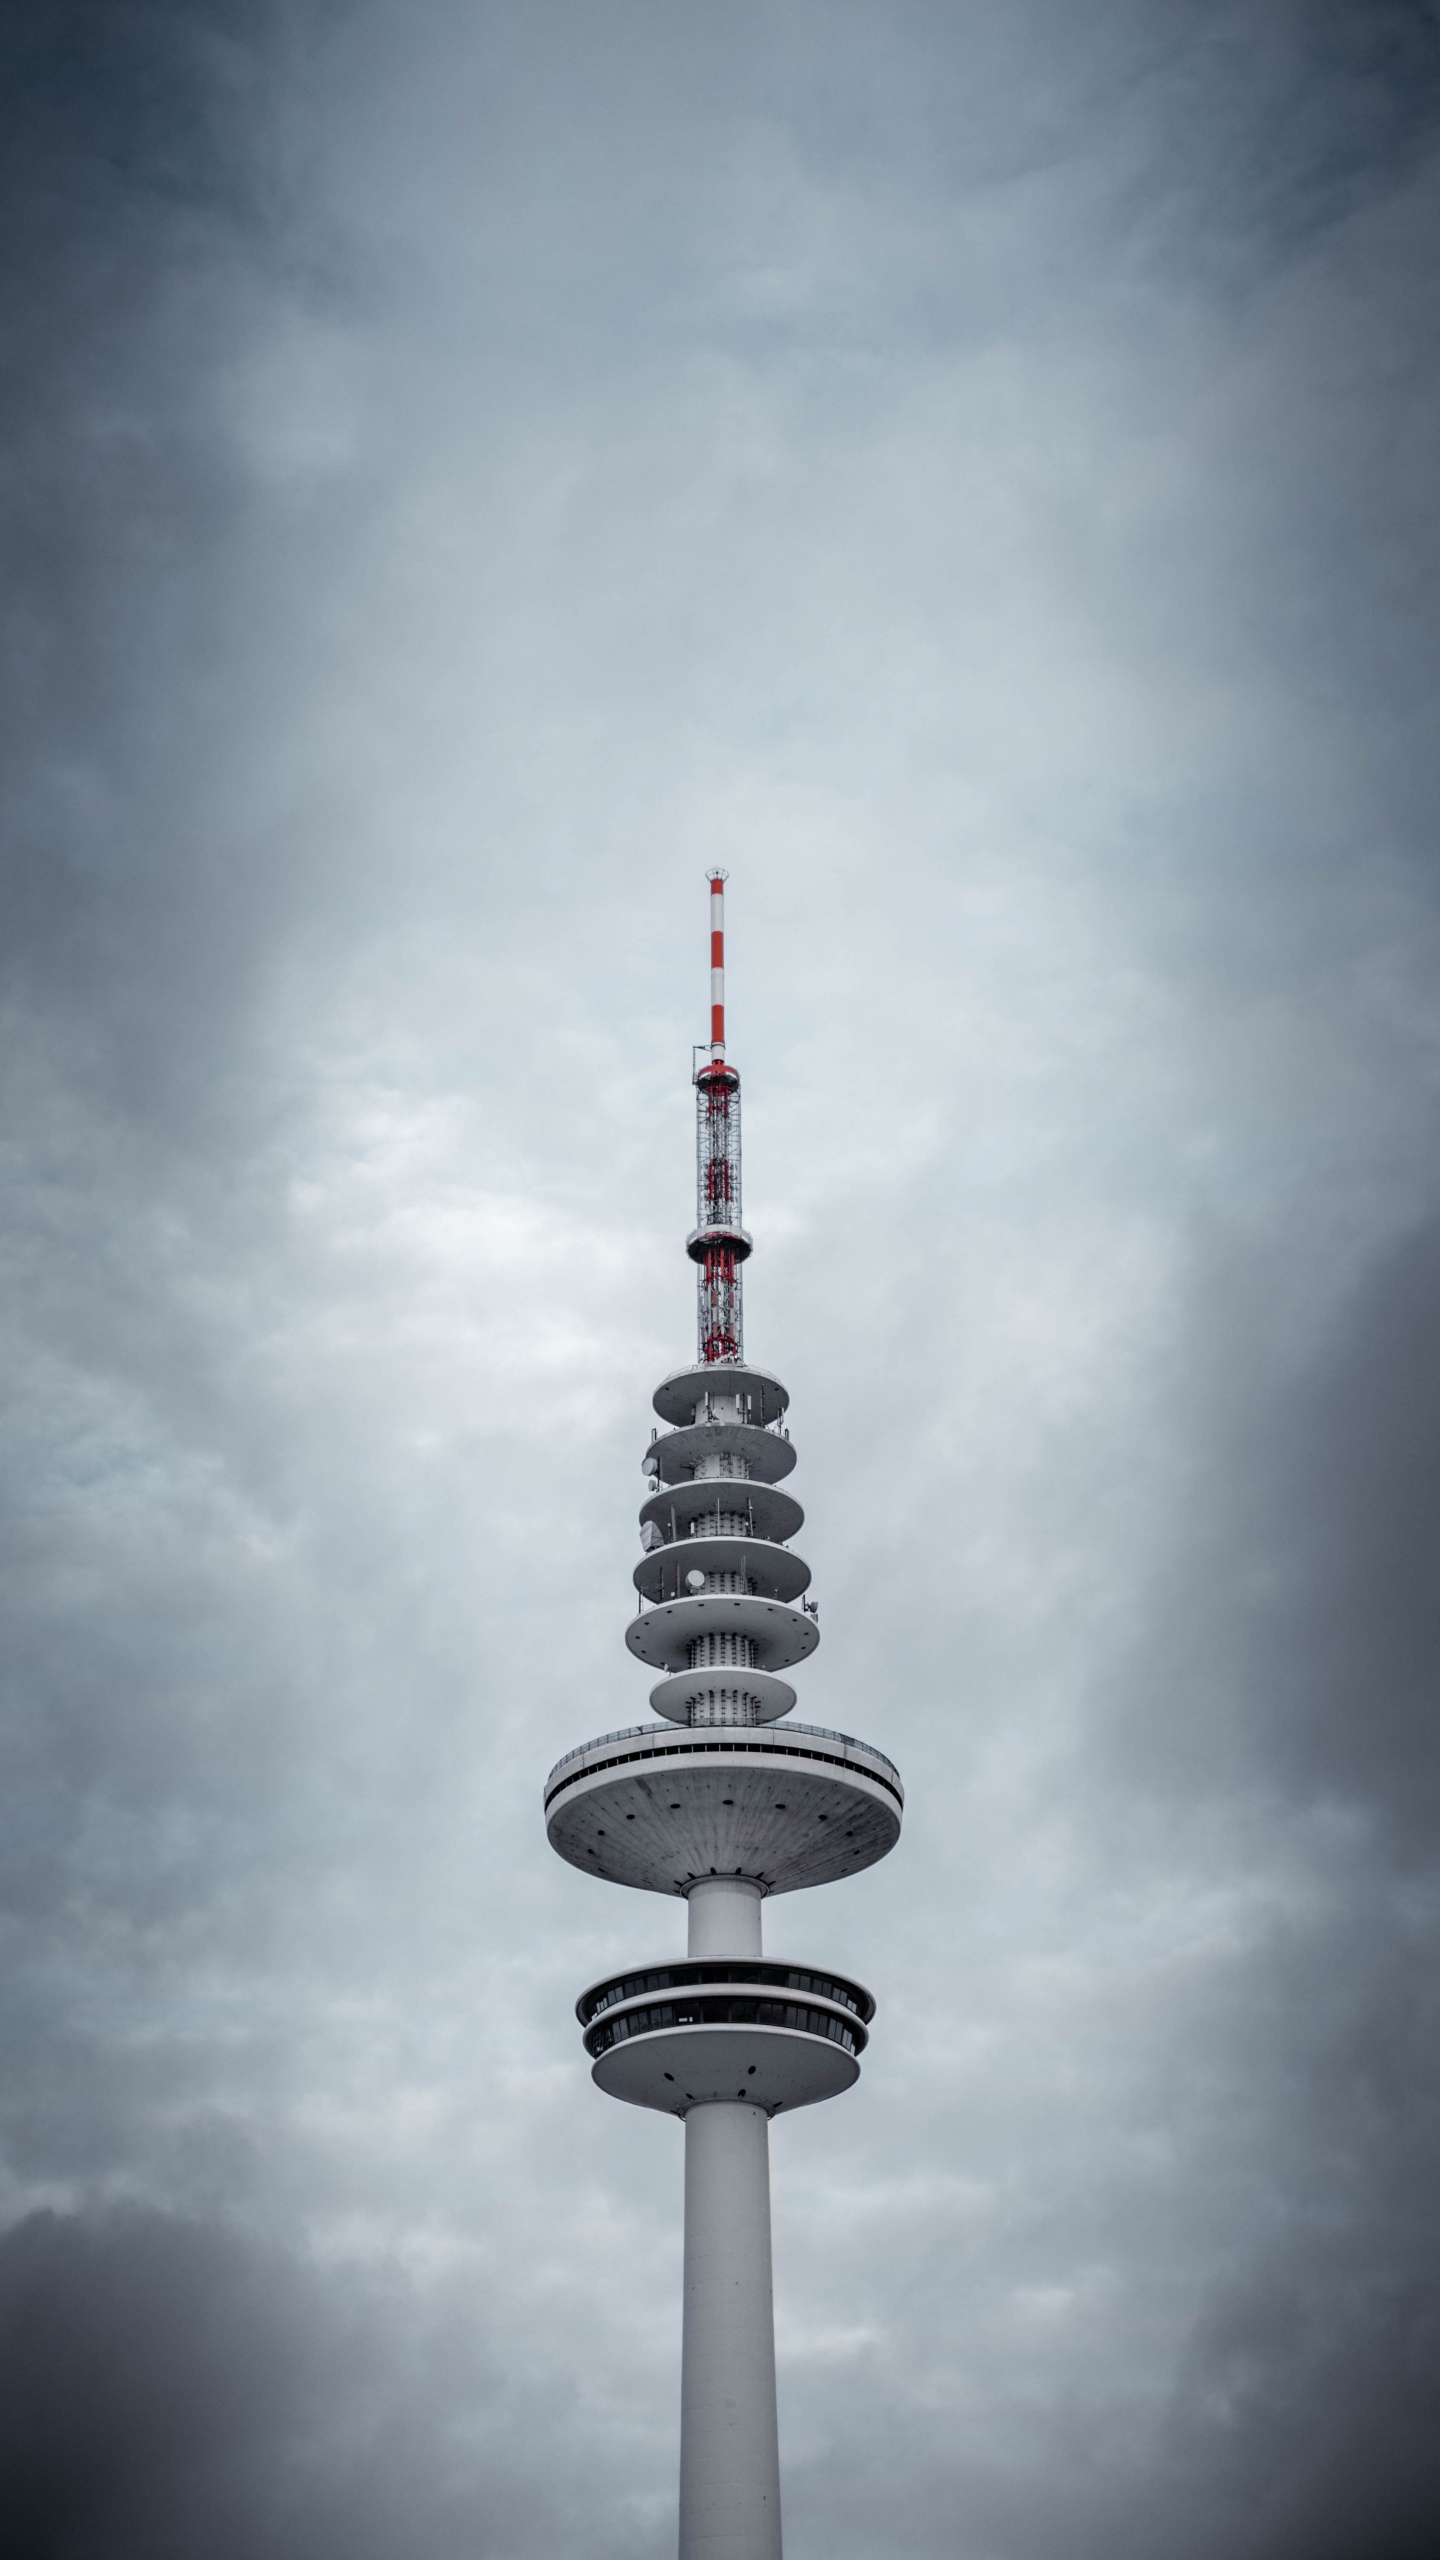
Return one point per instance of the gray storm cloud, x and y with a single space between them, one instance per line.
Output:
972 473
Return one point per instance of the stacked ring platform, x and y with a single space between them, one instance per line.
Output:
724 1802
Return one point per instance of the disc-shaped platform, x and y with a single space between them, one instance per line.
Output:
683 2067
703 1240
675 1455
787 1806
663 1637
678 1511
725 1390
770 1572
675 1697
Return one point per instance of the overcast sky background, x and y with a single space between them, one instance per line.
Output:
970 469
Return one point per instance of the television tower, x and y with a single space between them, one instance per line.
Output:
725 1805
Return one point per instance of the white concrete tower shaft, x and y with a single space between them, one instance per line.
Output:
725 1803
729 2434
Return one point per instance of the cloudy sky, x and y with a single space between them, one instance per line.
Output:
970 467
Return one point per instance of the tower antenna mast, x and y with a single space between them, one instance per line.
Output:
719 1244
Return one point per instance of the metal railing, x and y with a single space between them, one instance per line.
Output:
733 1734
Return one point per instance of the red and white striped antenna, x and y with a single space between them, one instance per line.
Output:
719 1244
717 962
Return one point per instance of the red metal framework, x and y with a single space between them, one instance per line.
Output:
719 1244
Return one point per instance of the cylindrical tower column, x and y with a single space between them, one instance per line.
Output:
724 1917
729 2444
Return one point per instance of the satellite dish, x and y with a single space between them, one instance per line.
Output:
694 1579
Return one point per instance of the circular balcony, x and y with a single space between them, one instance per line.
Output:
765 1570
786 1806
722 1390
698 2033
701 1973
682 1509
675 1456
780 1636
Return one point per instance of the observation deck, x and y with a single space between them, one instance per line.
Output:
784 1806
699 2031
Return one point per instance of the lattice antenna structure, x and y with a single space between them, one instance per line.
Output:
724 1804
718 1245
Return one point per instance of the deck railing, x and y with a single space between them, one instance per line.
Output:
732 1733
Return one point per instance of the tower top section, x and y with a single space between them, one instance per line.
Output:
717 880
718 1243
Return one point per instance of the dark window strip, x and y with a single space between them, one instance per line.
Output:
696 1971
722 2012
